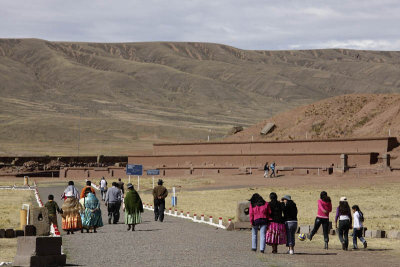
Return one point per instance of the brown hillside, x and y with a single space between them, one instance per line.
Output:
343 116
130 95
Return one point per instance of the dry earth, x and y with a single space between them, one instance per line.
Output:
126 96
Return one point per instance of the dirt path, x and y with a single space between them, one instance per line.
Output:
175 242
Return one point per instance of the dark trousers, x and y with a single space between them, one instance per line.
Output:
159 207
291 228
325 227
343 231
113 211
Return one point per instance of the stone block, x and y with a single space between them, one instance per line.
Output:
230 227
19 233
393 234
305 229
39 251
378 234
10 233
242 225
30 230
40 261
2 233
242 211
40 219
368 233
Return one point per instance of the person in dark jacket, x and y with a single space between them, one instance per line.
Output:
290 218
159 195
343 214
266 170
276 233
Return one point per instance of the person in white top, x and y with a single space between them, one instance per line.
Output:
358 226
103 188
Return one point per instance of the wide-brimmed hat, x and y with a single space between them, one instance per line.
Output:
343 199
160 181
287 197
129 185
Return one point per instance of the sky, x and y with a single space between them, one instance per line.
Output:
246 24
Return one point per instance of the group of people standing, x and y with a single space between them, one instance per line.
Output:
277 221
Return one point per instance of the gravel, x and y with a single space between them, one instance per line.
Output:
175 242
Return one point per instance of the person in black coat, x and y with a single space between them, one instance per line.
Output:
290 218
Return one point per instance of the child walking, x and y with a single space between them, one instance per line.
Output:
358 226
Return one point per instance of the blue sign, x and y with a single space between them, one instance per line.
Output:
153 172
132 169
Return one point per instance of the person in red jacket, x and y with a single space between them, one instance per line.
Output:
259 213
324 208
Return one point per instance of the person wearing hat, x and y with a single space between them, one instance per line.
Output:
343 214
159 195
324 208
133 207
290 218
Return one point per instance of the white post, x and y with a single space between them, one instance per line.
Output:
129 179
176 212
202 217
195 217
208 138
187 215
389 132
220 221
211 221
252 138
170 211
153 182
138 183
318 171
173 192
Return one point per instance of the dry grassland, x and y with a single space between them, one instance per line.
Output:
10 205
380 211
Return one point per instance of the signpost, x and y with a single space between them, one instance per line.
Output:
133 169
153 172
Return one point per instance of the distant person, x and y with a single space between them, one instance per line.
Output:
71 218
113 203
272 167
70 188
266 170
343 214
358 227
324 208
290 219
259 213
53 209
133 207
103 188
88 186
276 233
121 185
159 195
91 219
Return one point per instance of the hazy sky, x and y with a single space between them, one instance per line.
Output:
251 24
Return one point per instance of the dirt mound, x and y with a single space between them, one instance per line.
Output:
343 116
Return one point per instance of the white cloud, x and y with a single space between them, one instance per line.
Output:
251 24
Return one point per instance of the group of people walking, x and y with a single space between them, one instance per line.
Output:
81 211
277 221
269 167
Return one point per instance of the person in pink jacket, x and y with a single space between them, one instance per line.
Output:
324 208
259 213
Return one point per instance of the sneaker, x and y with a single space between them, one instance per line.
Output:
309 237
261 251
365 244
355 248
343 246
254 249
291 252
109 220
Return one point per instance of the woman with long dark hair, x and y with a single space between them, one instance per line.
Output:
290 219
324 208
343 213
259 214
276 233
358 227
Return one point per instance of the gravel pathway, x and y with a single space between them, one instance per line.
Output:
175 242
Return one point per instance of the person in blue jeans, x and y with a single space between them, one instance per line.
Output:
259 213
358 227
290 218
272 167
